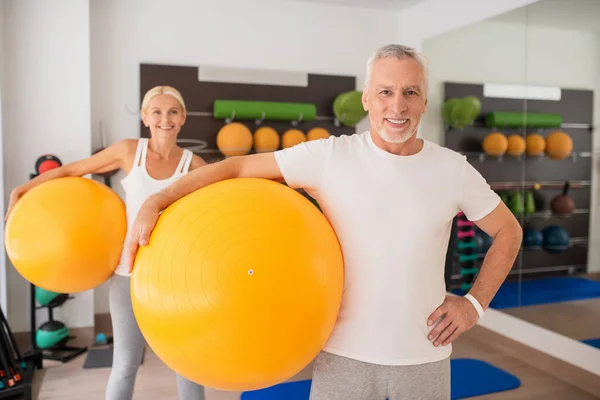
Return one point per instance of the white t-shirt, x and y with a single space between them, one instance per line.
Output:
393 216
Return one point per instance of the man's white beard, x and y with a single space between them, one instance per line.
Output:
394 139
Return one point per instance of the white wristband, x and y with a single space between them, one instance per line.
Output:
475 303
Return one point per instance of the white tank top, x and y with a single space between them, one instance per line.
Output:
139 185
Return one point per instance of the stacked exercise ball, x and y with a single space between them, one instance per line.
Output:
236 139
66 235
495 144
559 145
556 239
240 285
461 112
536 145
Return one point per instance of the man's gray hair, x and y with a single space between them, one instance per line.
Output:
398 51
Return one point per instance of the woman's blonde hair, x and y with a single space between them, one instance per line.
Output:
159 90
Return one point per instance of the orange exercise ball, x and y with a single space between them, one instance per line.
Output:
66 235
292 137
317 133
536 144
240 285
234 139
559 145
516 145
495 144
266 139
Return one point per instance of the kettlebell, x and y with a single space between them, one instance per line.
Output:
517 205
563 204
529 203
538 198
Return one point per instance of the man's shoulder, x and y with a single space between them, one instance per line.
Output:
444 153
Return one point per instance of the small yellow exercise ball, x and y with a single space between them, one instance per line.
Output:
234 139
559 145
495 144
536 144
317 133
66 235
516 145
240 285
292 137
266 139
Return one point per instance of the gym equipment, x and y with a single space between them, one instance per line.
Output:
234 139
266 139
503 119
516 203
459 113
563 204
66 234
317 133
263 110
462 235
538 198
495 144
466 250
51 338
529 203
532 239
483 241
16 369
103 358
468 378
47 298
46 163
592 342
516 145
556 239
348 108
536 145
545 291
292 137
240 284
559 145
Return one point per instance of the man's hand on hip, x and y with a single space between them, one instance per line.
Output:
458 316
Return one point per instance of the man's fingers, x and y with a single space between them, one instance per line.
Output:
445 334
439 328
457 332
439 312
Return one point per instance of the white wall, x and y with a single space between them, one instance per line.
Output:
516 53
47 110
268 34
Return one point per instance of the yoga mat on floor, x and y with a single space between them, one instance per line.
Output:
101 358
593 342
545 291
469 378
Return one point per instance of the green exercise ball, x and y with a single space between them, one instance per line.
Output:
51 334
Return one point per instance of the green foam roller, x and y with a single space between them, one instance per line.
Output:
505 119
467 245
265 110
468 257
469 271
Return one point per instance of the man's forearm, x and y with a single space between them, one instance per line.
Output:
498 262
194 180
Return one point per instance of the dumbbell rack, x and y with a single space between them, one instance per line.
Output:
16 370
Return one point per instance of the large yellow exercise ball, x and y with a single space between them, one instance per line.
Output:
234 139
559 145
66 235
240 285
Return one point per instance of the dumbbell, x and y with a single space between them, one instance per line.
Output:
45 163
465 223
462 235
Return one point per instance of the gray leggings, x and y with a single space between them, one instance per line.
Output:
129 347
341 378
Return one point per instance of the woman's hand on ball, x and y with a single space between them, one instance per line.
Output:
141 230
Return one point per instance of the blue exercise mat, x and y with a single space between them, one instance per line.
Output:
593 342
468 378
545 291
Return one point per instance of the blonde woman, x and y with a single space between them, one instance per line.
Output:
151 165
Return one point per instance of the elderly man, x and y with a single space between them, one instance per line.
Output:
391 198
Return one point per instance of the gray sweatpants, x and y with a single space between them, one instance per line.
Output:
341 378
129 347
